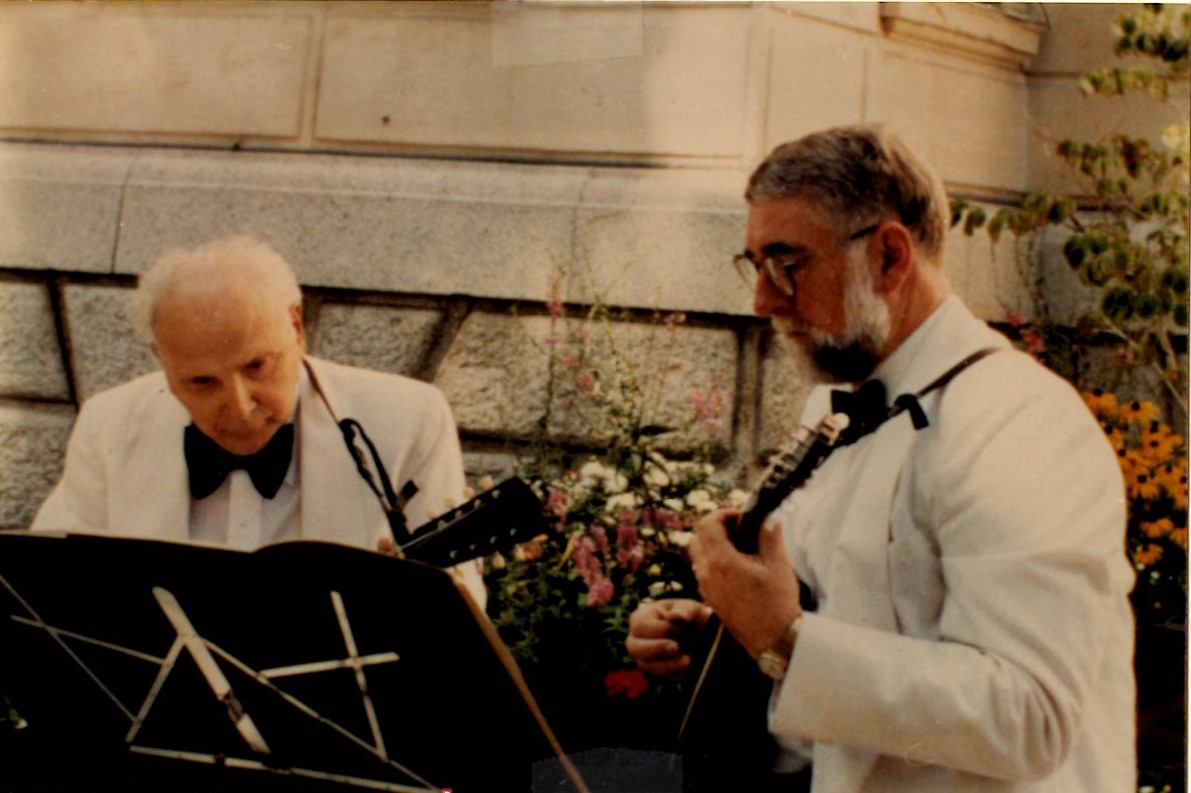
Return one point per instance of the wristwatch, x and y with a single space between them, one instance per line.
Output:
775 660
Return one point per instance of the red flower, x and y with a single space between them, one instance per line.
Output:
630 682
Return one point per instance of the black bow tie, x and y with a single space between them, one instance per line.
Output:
865 408
209 463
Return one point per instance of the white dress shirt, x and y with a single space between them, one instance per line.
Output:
973 630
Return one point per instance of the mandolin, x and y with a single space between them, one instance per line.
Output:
496 520
724 737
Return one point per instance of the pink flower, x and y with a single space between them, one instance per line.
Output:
600 592
585 561
630 553
709 405
556 504
553 301
600 536
630 682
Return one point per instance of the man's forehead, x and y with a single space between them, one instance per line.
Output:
793 222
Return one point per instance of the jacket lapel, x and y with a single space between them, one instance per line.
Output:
152 498
337 505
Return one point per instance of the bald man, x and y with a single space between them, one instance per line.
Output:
236 440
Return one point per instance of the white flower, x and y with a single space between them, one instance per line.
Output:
680 538
656 477
654 569
674 504
701 501
657 587
738 498
622 501
593 471
648 531
675 586
615 483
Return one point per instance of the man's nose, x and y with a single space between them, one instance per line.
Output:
768 300
240 398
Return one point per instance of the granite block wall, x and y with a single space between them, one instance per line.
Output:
426 167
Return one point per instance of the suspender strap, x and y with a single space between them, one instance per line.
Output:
909 402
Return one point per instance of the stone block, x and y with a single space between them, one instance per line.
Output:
983 138
1079 39
991 278
404 226
647 239
786 381
32 443
30 358
533 78
804 97
104 345
1055 103
386 338
496 376
482 466
166 68
60 205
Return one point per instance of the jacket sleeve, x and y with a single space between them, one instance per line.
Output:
435 465
79 502
1022 504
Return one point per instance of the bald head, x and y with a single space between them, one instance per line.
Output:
238 265
225 322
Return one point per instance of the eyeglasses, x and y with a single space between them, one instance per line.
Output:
782 272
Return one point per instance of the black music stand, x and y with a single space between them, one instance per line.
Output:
153 666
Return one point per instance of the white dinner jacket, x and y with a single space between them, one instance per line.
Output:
1003 663
125 471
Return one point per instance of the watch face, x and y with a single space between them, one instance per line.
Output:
772 664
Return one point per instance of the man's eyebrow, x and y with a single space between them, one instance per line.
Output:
777 247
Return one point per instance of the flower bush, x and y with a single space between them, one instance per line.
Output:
619 509
1153 462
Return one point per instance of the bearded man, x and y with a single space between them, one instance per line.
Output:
964 558
236 441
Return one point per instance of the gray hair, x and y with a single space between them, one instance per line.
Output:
858 174
270 274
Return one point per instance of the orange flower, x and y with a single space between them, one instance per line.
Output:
1139 412
1142 485
1103 405
1179 537
1157 528
1147 556
1158 444
1172 477
1116 438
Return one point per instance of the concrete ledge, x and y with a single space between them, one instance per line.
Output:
60 206
496 375
30 358
32 441
398 225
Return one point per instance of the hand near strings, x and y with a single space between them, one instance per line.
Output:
755 595
655 633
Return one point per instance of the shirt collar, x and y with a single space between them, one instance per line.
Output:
900 370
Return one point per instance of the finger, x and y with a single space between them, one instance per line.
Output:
686 611
385 545
771 543
667 668
643 650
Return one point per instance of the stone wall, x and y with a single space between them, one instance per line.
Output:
427 166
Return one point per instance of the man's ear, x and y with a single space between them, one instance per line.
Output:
895 249
295 314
